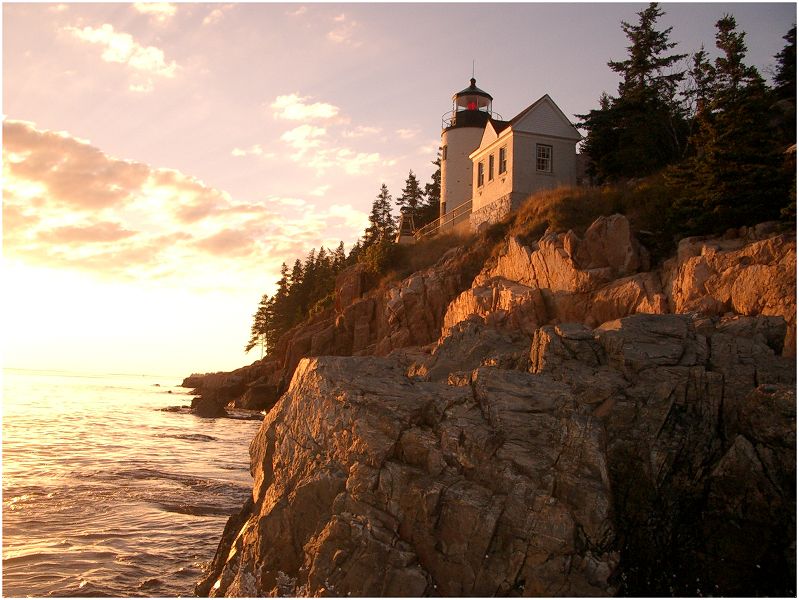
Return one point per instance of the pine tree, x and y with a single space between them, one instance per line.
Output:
260 325
646 67
784 108
339 258
785 77
431 208
381 221
282 310
412 195
733 176
701 78
602 141
643 129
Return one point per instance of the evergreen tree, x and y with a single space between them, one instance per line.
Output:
602 141
734 78
381 221
646 69
784 108
412 195
785 77
306 290
701 78
339 258
643 129
733 176
430 210
260 324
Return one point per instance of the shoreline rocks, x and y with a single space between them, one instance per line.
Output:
573 474
564 422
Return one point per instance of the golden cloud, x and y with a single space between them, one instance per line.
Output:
120 47
68 205
160 12
294 107
102 232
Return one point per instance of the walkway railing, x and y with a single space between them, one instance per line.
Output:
448 221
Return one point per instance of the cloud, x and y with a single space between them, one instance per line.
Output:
254 150
407 134
343 31
319 191
303 138
430 149
122 48
71 172
299 12
314 151
356 162
160 12
347 215
293 107
68 205
144 88
94 232
361 131
285 201
57 8
216 15
229 242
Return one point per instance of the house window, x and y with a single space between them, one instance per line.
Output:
480 173
543 158
444 152
503 160
491 167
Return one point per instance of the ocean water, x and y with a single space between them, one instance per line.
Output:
106 495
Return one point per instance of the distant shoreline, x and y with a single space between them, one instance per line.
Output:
66 373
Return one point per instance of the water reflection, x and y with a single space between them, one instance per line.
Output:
105 494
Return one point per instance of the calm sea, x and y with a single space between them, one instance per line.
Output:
104 494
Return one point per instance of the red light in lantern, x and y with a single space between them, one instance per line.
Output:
471 106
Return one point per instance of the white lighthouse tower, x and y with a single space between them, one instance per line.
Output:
461 131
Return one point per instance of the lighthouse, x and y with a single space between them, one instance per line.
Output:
461 131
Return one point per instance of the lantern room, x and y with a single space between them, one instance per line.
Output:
471 107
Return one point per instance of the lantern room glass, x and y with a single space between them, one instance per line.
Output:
471 102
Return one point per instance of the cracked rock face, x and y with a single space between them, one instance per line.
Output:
616 460
371 484
561 279
567 435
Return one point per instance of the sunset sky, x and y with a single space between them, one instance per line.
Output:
161 160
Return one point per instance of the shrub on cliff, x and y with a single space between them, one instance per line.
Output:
644 202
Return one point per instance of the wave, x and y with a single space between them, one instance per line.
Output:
194 437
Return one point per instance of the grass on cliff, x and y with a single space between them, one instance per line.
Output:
645 203
387 263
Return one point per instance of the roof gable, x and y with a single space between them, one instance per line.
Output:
493 128
544 117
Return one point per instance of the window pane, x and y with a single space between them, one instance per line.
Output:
543 158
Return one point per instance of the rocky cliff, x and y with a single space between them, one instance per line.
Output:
538 423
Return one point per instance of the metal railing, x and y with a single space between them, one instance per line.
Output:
467 118
448 221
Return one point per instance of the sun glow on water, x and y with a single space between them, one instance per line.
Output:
105 493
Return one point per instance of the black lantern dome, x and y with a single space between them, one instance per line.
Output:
471 107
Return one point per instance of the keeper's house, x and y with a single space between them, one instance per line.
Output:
490 166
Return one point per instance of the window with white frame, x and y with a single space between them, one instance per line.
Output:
543 158
491 167
480 173
503 160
